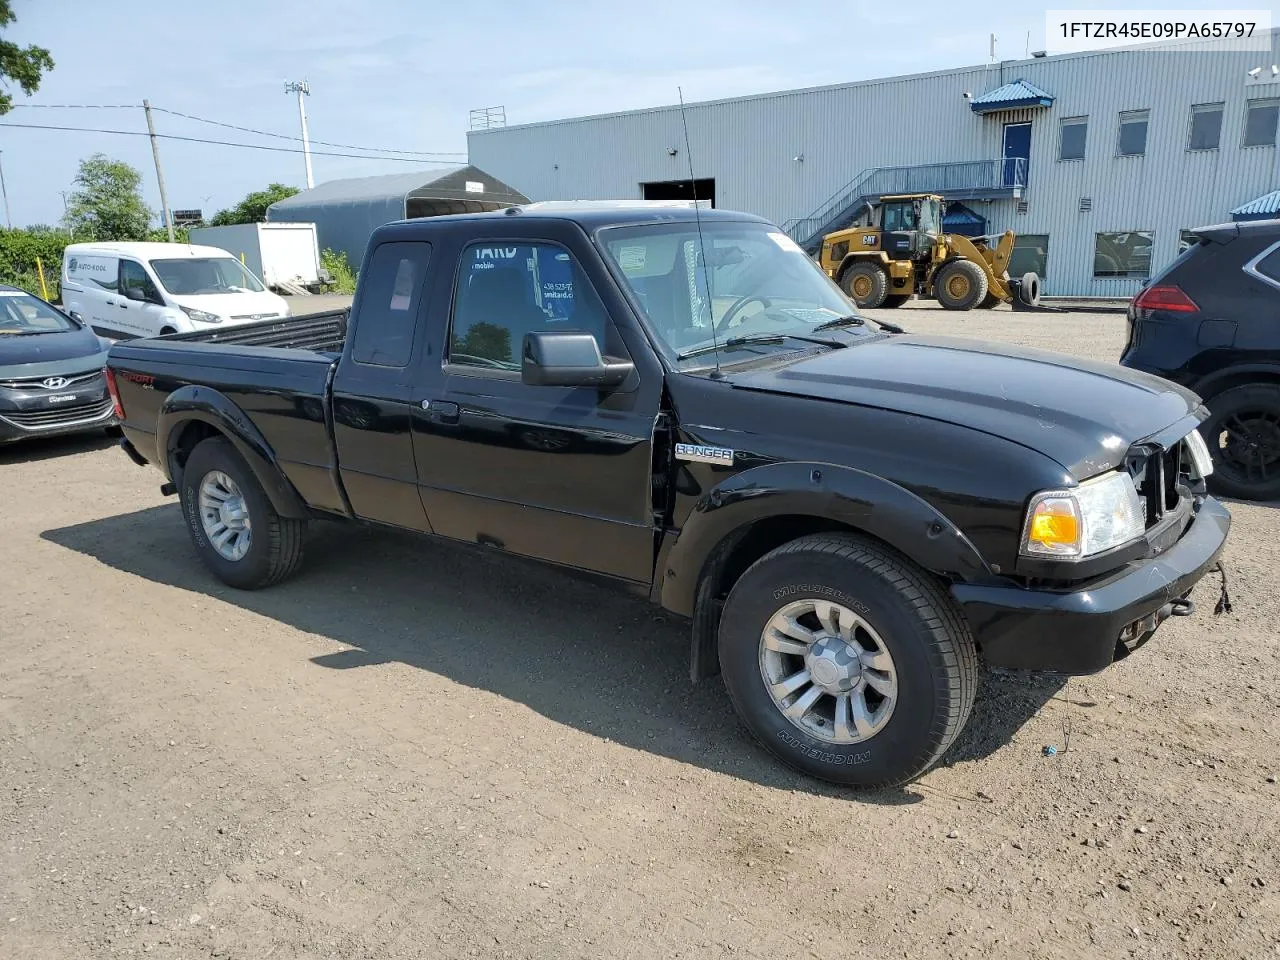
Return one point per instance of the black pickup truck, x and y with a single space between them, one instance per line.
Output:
681 401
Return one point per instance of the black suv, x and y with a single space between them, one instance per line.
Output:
1211 322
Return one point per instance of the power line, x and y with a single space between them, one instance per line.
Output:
324 143
232 126
221 143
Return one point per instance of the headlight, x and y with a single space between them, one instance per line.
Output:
200 316
1199 453
1074 524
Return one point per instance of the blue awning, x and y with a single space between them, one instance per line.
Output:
1012 96
1264 207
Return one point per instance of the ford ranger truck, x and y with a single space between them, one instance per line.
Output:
679 400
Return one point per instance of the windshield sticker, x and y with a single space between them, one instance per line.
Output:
631 259
785 242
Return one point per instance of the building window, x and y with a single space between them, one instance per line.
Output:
1071 138
1260 123
1030 255
1122 254
1132 141
1206 126
1186 240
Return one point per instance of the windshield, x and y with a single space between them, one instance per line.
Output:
760 284
22 314
200 275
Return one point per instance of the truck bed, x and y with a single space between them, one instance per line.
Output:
275 373
322 332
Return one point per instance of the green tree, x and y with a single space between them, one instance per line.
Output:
107 202
253 208
21 65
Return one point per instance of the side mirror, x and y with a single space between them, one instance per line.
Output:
568 360
134 293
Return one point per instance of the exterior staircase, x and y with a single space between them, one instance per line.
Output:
963 180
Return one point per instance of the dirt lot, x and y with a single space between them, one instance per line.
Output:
414 750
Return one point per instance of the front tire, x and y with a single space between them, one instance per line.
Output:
866 284
236 531
960 285
846 661
1243 437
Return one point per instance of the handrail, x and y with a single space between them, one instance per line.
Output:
1010 172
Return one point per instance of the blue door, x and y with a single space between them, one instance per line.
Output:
1017 153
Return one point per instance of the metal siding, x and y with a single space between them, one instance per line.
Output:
748 144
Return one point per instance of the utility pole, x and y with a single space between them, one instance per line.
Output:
7 219
302 89
155 152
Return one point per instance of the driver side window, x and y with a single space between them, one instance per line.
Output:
133 277
507 289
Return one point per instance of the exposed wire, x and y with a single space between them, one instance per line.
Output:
232 126
221 143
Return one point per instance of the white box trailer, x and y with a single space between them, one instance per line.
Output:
284 255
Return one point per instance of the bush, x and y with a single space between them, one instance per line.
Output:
344 278
18 252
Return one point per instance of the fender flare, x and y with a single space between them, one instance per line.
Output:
846 495
1208 386
198 403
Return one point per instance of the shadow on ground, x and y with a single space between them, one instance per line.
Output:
47 448
576 651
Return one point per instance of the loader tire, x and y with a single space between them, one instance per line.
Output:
960 285
866 284
1029 290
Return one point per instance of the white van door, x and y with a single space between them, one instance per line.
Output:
93 289
146 314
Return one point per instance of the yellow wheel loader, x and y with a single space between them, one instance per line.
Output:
896 248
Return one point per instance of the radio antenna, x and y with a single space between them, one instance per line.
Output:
702 244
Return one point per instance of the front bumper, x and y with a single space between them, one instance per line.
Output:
24 425
1082 631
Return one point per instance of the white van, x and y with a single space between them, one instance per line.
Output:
150 289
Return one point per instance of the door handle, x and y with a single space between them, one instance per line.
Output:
124 306
441 411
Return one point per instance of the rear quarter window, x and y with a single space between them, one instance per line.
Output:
389 304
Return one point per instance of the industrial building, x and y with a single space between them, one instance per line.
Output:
1100 161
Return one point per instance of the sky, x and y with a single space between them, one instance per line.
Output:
405 75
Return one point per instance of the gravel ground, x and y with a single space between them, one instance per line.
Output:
414 750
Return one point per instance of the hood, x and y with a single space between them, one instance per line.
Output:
236 307
47 354
1084 415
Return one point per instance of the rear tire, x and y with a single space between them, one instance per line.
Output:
272 544
1243 436
866 284
960 285
861 621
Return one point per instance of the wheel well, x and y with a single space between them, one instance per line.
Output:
730 560
190 434
854 259
1242 378
165 331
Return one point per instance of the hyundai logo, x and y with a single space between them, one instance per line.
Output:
53 383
